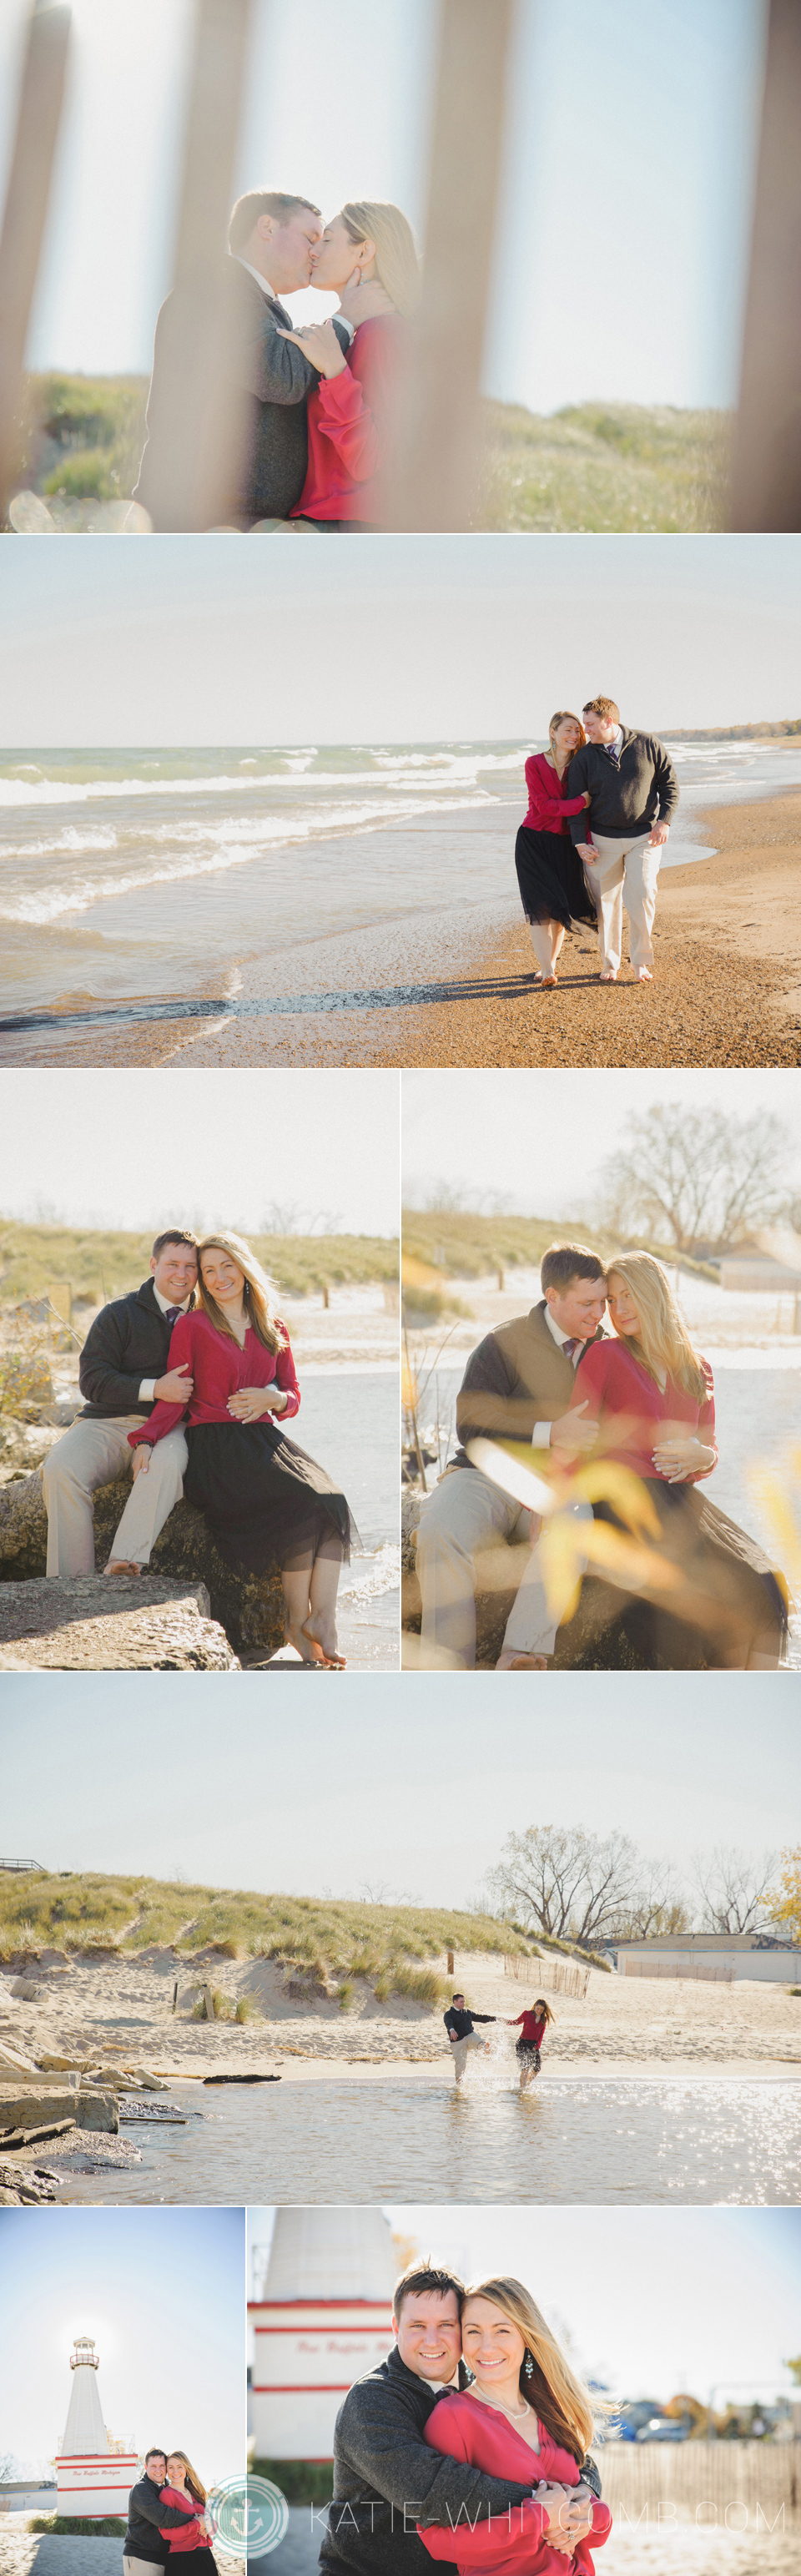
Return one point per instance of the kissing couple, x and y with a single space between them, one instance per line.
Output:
468 2444
622 1426
188 1381
302 424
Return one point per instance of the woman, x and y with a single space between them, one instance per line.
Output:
525 2418
528 2046
185 2492
552 885
368 250
654 1400
264 1500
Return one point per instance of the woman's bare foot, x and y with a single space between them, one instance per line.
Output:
121 1565
521 1664
323 1637
305 1647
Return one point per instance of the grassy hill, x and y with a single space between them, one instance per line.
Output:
591 466
469 1247
102 1265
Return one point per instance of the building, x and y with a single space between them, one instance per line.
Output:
323 2318
94 2475
722 1957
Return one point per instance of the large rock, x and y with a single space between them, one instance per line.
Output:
32 2106
595 1640
249 1607
88 1623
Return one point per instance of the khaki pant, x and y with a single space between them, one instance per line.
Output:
459 2048
626 873
131 2566
93 1453
531 1626
465 1515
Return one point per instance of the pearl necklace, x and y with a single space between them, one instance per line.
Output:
515 2413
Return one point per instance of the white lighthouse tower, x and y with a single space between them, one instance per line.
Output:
323 2318
94 2477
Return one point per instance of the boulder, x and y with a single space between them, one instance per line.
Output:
27 1990
83 1623
249 1607
32 2106
595 1640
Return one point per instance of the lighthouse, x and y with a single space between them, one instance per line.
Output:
323 2318
94 2476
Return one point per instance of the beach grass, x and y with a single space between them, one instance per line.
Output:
592 465
466 1246
392 1946
96 1265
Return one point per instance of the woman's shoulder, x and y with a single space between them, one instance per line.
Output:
455 2411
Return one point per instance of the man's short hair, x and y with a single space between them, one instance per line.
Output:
427 2276
262 201
156 2454
458 1998
174 1235
603 707
565 1261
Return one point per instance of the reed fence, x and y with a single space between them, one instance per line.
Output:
563 1976
727 2485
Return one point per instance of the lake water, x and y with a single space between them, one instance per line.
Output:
126 873
348 1421
632 2139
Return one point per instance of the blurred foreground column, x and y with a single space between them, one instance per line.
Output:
766 484
438 478
207 410
24 215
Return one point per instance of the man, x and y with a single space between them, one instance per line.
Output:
144 2545
634 792
386 2479
459 2026
226 414
516 1386
123 1373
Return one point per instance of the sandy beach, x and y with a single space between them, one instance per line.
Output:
34 2553
454 986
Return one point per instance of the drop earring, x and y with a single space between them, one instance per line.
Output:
528 2366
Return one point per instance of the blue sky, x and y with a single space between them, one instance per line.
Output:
629 158
654 2300
331 1813
120 642
162 2293
60 1153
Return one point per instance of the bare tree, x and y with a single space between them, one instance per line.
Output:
566 1883
686 1176
734 1888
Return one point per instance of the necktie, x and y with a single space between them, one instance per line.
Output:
171 1314
612 753
570 1347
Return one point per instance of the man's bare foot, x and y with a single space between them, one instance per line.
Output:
324 1639
545 981
521 1664
644 975
609 975
121 1565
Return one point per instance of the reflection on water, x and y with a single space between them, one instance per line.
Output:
567 2141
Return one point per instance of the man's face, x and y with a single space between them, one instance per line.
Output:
288 249
578 1308
429 2334
156 2468
599 728
174 1272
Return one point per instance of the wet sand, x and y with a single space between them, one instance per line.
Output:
444 987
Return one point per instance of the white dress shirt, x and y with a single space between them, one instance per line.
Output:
269 290
541 1434
147 1386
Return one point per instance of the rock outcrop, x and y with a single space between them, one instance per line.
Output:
248 1607
85 1623
594 1640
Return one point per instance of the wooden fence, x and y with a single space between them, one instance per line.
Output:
561 1976
731 2486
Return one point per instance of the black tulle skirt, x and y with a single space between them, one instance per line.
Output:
733 1596
193 2562
551 878
266 1503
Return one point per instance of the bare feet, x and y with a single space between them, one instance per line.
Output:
324 1641
521 1664
644 975
304 1646
609 975
121 1565
545 981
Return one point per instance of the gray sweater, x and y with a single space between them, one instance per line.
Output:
386 2479
272 380
643 788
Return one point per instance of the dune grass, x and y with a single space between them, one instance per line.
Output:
98 1265
592 466
464 1246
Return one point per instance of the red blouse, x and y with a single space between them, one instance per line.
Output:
532 2029
193 2535
218 1367
516 2541
548 809
632 1409
350 419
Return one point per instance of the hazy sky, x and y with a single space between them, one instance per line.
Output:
539 1138
628 164
720 2305
370 1805
162 2293
394 639
229 1145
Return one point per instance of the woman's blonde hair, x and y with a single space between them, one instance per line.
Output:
562 2402
663 1340
397 266
258 1294
194 2483
564 715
